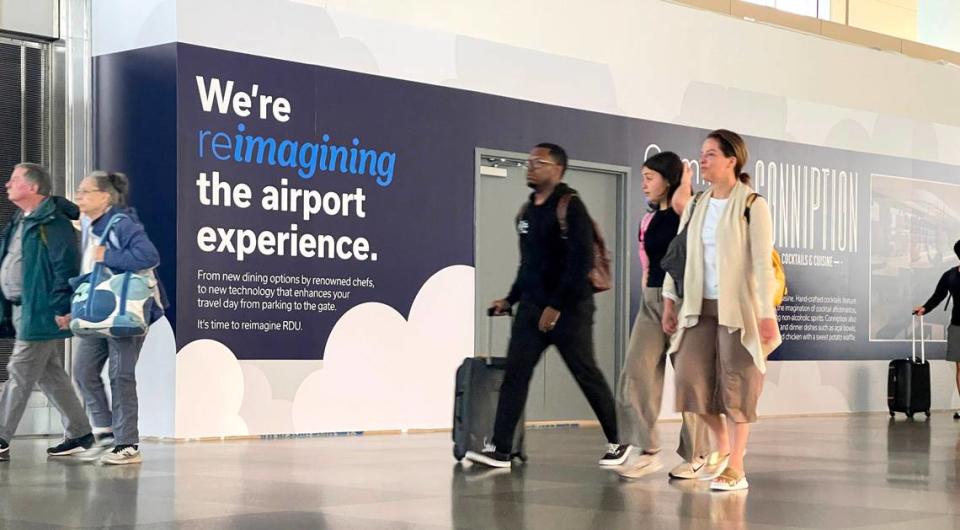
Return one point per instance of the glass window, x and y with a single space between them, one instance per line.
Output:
808 8
932 22
938 23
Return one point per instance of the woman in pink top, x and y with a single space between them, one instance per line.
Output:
641 384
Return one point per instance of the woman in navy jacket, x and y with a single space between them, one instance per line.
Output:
101 196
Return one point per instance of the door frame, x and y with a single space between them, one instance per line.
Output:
619 255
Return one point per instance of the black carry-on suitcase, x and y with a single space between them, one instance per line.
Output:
908 384
475 402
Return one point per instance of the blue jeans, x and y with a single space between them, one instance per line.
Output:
90 354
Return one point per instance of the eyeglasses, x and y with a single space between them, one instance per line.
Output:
81 192
536 163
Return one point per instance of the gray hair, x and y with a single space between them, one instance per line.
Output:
116 184
38 175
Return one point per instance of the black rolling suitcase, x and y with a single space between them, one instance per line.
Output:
475 402
908 383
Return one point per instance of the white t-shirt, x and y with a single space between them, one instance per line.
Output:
711 268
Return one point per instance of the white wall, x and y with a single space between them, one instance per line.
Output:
120 25
666 62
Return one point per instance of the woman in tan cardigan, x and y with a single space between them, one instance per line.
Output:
726 325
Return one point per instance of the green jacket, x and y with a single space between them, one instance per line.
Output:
51 256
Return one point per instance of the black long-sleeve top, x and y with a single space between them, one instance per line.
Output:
949 284
553 270
656 238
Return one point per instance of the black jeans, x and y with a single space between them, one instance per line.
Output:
573 337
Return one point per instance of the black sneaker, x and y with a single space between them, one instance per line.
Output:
4 450
71 446
616 455
489 457
956 415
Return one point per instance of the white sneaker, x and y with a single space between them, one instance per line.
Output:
644 465
122 454
689 470
490 457
715 465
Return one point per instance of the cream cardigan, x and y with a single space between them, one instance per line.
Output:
746 271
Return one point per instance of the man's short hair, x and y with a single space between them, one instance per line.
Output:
38 175
557 153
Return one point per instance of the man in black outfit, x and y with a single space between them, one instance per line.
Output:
949 284
556 307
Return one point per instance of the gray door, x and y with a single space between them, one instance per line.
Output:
501 189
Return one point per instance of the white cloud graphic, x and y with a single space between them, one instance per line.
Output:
260 411
156 377
798 387
383 372
209 391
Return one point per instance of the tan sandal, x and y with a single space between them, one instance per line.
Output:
730 480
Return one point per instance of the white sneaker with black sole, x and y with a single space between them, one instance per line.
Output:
489 457
122 454
4 450
616 455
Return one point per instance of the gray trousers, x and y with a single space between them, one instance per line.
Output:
641 385
38 363
90 355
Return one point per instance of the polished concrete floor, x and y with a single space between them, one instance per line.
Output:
818 472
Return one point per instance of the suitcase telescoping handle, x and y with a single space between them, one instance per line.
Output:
491 316
913 342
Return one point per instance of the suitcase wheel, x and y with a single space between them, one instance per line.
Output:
927 412
893 414
457 454
910 415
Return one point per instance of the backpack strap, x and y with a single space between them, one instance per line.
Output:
696 197
562 206
693 207
750 200
104 239
645 224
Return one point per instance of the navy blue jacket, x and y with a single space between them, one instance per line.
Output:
129 249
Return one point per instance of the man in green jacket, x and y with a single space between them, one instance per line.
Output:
38 255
